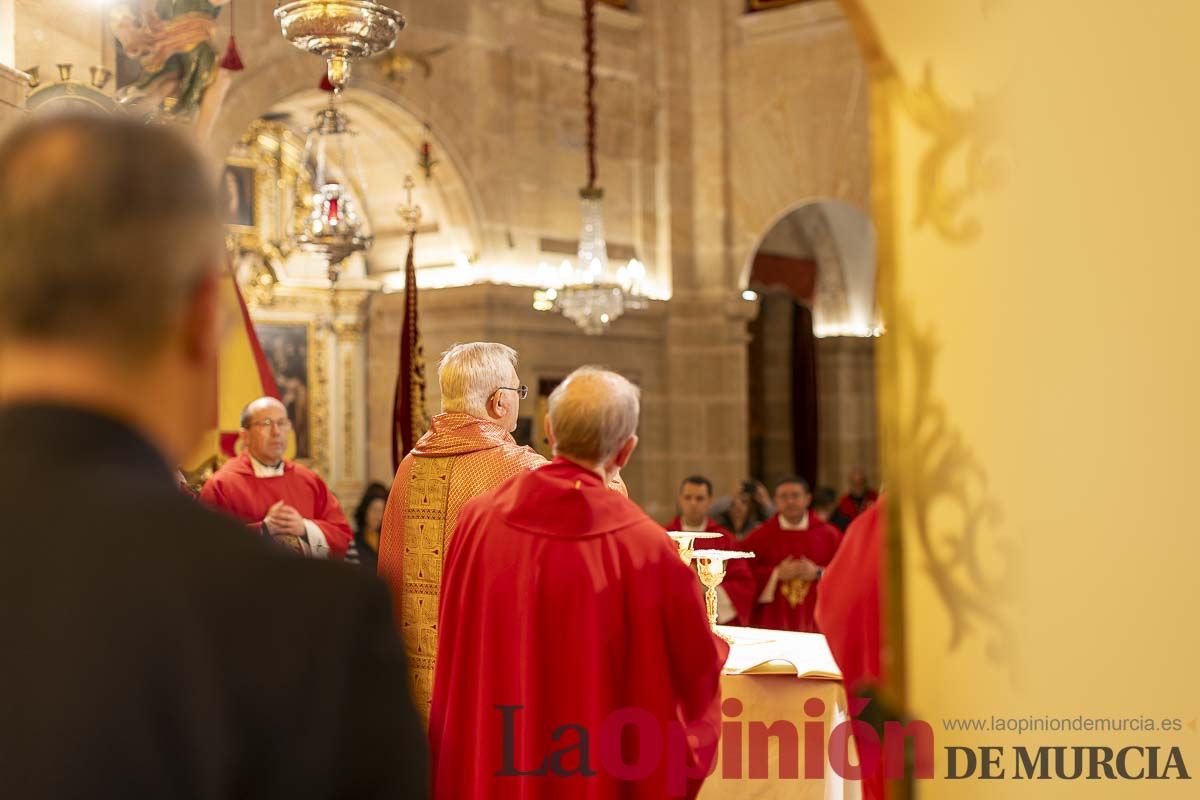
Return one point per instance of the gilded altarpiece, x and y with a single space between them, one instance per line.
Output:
333 378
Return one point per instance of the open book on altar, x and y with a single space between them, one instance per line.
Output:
760 651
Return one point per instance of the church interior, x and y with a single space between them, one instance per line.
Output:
739 182
822 237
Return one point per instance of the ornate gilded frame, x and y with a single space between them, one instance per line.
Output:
247 237
316 384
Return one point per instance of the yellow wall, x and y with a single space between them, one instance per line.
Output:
1058 351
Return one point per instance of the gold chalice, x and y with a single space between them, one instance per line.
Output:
710 565
685 540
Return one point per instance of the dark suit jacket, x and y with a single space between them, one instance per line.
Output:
151 648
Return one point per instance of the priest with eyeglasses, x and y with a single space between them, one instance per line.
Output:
276 497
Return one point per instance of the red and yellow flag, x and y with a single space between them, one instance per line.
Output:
243 375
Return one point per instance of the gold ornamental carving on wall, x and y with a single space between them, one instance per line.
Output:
951 517
963 158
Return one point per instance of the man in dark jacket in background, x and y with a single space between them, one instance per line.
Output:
151 647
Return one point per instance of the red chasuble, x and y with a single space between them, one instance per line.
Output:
739 580
791 607
849 508
236 490
850 609
573 649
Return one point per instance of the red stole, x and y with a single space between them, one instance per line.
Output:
563 603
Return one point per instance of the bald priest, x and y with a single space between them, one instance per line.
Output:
281 499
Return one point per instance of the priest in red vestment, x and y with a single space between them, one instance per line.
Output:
791 550
849 608
282 499
735 595
468 450
854 502
575 656
850 611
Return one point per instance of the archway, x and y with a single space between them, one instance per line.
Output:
811 351
264 124
390 141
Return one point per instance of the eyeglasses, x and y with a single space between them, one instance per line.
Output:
281 424
522 390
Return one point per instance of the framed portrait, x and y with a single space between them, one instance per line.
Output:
237 195
286 347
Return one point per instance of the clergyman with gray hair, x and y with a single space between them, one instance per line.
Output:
563 602
467 451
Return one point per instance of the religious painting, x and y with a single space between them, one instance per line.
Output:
166 54
237 194
286 347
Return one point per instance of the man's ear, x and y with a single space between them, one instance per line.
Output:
549 432
495 405
622 457
204 323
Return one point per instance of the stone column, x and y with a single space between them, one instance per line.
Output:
774 385
12 96
348 403
849 434
706 341
706 410
8 31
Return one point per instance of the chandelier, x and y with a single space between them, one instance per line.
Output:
340 31
336 224
587 292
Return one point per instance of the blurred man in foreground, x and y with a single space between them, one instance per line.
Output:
152 648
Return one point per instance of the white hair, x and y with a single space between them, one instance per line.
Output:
471 373
593 413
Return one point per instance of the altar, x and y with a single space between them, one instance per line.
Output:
773 684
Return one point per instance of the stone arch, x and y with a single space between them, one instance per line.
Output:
405 117
841 239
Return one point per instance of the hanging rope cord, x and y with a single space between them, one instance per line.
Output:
589 54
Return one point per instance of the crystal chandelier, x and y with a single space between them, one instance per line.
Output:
336 223
587 293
